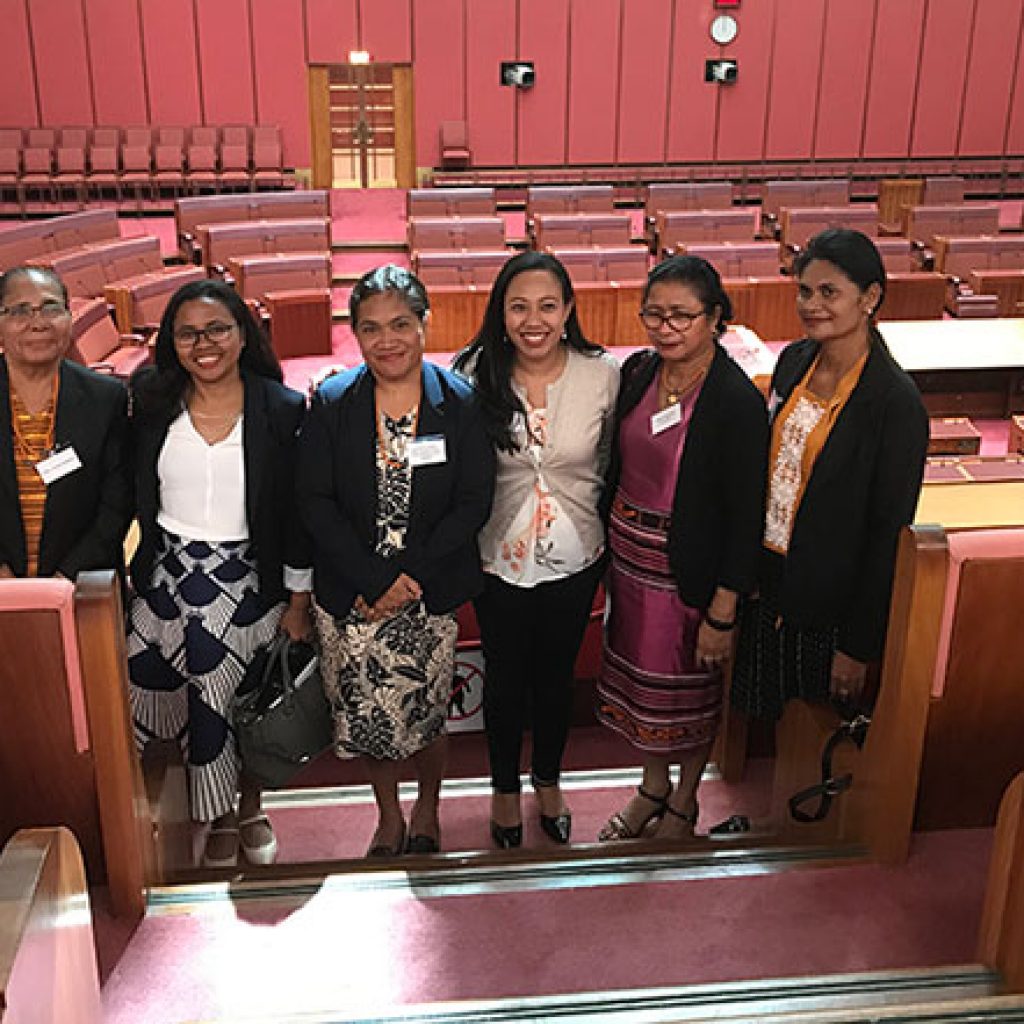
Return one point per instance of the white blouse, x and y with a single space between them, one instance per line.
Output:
202 486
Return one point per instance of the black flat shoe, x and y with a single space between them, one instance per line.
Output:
506 837
557 828
423 844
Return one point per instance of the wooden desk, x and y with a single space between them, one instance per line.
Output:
963 367
965 504
1006 285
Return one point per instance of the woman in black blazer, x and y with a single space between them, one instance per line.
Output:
395 479
65 482
221 563
849 439
686 493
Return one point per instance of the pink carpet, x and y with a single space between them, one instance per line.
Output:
364 952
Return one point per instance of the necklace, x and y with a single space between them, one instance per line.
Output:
676 391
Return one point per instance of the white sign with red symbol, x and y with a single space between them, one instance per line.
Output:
466 705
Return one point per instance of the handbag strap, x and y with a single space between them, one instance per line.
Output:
853 730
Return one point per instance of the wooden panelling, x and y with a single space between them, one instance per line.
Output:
490 106
439 75
846 55
225 72
1006 285
643 85
385 29
172 61
61 63
593 80
320 126
115 56
405 127
990 74
455 316
541 121
890 101
279 44
331 30
692 103
742 107
914 296
941 75
767 305
796 65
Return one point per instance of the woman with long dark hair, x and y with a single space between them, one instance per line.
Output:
221 564
687 506
848 446
548 397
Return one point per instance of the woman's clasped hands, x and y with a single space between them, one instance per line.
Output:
403 591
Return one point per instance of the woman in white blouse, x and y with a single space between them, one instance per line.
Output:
548 396
221 564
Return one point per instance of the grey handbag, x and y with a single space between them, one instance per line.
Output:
284 720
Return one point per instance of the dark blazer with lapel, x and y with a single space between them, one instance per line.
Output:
450 501
87 512
718 507
863 488
272 417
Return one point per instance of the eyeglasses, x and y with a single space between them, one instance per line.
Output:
370 330
21 315
216 332
677 319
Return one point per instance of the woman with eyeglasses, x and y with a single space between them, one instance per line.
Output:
221 564
395 479
548 396
687 504
64 470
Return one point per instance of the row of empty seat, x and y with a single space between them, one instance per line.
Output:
51 165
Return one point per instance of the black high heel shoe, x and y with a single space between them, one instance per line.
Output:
507 837
557 826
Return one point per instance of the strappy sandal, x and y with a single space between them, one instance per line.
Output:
689 819
617 827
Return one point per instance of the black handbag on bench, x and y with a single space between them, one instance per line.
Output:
284 720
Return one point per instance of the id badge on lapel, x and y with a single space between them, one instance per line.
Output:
58 464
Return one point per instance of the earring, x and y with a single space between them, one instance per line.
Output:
565 336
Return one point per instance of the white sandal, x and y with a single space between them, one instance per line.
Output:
264 853
221 862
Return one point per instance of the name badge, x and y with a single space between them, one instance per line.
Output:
58 465
427 451
661 421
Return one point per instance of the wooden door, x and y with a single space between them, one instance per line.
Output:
362 126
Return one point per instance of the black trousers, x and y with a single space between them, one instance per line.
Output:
530 638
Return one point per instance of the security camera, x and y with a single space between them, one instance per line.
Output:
518 73
724 72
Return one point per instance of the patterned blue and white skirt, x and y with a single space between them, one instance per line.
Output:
191 637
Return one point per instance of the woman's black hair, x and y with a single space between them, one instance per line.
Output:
24 271
701 276
489 356
389 278
165 390
851 252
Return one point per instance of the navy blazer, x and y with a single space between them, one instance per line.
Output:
272 418
87 512
862 490
718 504
337 484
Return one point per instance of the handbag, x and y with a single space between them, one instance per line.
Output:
284 720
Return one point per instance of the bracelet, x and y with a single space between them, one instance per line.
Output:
719 624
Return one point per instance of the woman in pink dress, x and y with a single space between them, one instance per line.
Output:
687 503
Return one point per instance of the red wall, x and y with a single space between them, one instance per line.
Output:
618 81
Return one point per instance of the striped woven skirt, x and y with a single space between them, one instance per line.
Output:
191 638
651 689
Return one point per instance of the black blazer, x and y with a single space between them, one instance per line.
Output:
272 418
451 501
863 488
87 512
718 507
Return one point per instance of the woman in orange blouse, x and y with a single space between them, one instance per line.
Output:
849 437
65 494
